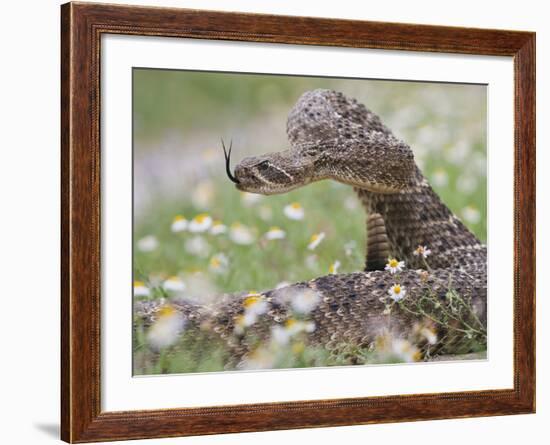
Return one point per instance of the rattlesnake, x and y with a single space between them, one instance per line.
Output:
335 137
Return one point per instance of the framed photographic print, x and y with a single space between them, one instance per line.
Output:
279 222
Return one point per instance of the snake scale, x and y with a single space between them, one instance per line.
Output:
334 137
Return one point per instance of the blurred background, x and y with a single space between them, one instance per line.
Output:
189 220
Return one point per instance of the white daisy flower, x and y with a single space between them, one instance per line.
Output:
197 246
294 326
239 325
396 348
243 321
200 223
333 268
315 240
305 301
140 289
255 303
309 326
440 178
147 243
275 233
294 211
261 358
254 306
280 335
422 251
179 224
394 266
241 234
249 318
218 228
250 199
174 284
397 292
405 351
218 263
429 334
471 214
166 329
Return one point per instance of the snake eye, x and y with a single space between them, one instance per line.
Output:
262 166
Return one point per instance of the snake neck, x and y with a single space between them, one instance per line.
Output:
400 222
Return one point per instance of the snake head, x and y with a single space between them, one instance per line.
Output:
331 137
274 173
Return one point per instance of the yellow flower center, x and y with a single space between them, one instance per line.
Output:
217 223
397 289
215 262
251 300
274 229
179 218
295 206
393 263
314 237
290 322
332 268
201 218
166 311
139 284
173 278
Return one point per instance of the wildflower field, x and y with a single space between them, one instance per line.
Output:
197 237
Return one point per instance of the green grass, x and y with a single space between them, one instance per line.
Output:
263 264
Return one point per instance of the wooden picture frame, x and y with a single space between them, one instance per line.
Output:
82 26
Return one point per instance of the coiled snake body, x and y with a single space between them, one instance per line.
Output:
334 137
